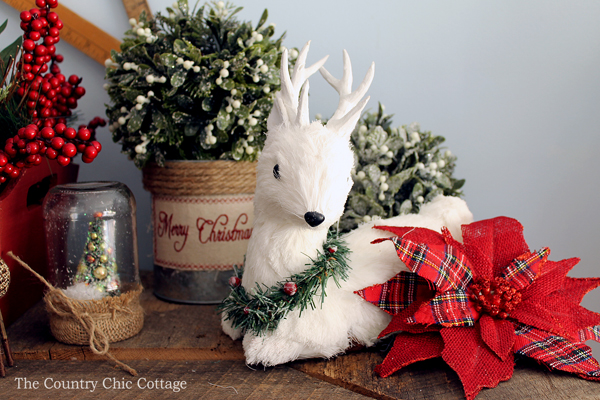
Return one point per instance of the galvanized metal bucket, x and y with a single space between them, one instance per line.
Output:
202 219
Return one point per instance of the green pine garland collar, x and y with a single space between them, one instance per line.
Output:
263 310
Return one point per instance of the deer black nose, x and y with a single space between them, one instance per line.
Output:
314 218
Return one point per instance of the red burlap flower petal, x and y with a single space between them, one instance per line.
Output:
476 365
577 288
571 317
536 315
557 352
498 334
552 278
408 349
498 241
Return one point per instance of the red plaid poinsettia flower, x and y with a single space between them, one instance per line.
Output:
477 303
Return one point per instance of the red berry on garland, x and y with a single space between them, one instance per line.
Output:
66 91
15 173
51 154
70 133
246 310
40 3
40 50
73 80
47 133
290 288
30 132
32 148
63 161
90 152
36 25
84 134
28 45
52 4
25 16
69 150
79 92
52 17
60 128
34 35
57 143
97 145
3 159
234 281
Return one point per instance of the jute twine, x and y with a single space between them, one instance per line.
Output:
4 278
93 322
193 178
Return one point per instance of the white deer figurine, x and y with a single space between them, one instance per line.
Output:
303 180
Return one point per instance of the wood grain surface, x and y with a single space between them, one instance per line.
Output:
185 342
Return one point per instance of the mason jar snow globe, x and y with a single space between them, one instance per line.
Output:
91 239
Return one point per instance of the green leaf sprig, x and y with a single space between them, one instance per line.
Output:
397 169
193 85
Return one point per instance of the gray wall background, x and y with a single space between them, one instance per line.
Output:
514 87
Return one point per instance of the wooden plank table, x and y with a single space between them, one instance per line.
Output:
185 343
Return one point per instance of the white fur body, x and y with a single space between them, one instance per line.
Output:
306 167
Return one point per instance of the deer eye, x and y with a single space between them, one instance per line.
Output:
276 171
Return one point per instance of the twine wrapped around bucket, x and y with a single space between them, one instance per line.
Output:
192 178
93 322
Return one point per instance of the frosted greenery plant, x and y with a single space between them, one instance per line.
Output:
397 169
193 85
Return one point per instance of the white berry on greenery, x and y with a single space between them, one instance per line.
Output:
397 170
200 63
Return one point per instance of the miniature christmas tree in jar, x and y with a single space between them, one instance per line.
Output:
91 239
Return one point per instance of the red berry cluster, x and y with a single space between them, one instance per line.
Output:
31 143
48 97
494 297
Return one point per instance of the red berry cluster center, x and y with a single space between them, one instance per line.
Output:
48 97
494 297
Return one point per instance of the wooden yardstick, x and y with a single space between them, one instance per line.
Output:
135 7
77 31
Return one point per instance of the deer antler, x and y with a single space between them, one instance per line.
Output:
349 106
286 108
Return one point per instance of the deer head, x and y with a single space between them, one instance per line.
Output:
304 172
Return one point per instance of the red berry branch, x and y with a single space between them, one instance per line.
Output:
48 98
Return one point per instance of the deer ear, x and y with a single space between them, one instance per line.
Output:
345 125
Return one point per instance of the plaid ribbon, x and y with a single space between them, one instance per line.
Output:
523 270
556 352
590 333
445 266
451 308
398 293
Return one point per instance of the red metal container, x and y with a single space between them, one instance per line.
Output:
22 232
